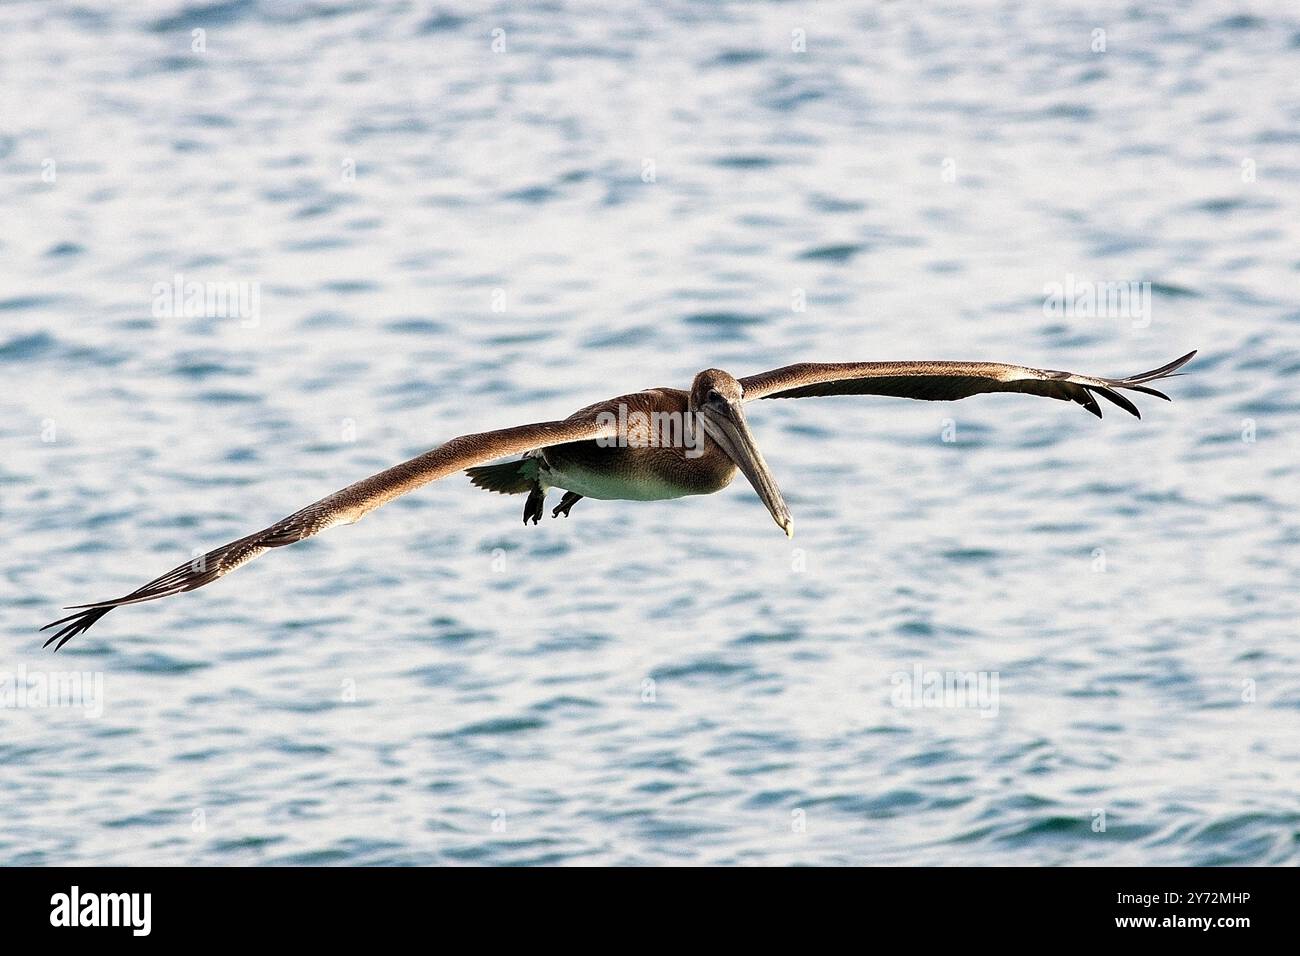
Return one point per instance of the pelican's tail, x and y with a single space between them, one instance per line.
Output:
508 478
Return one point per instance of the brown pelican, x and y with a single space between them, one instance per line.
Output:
651 445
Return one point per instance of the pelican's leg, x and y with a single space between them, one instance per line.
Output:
533 506
567 502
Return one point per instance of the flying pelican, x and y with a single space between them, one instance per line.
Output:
647 446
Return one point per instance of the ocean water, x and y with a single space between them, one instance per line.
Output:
439 228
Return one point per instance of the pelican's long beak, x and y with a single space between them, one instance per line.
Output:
725 424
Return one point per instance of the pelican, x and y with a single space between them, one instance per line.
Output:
647 446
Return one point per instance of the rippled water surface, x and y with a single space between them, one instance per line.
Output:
444 237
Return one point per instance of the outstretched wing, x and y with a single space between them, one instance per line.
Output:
343 507
946 381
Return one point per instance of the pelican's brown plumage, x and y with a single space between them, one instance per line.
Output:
616 450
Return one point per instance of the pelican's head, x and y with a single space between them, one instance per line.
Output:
717 402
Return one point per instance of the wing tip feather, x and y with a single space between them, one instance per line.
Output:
1164 371
82 621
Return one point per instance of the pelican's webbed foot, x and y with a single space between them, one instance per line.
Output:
567 502
533 506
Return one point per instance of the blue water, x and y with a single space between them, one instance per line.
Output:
445 238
